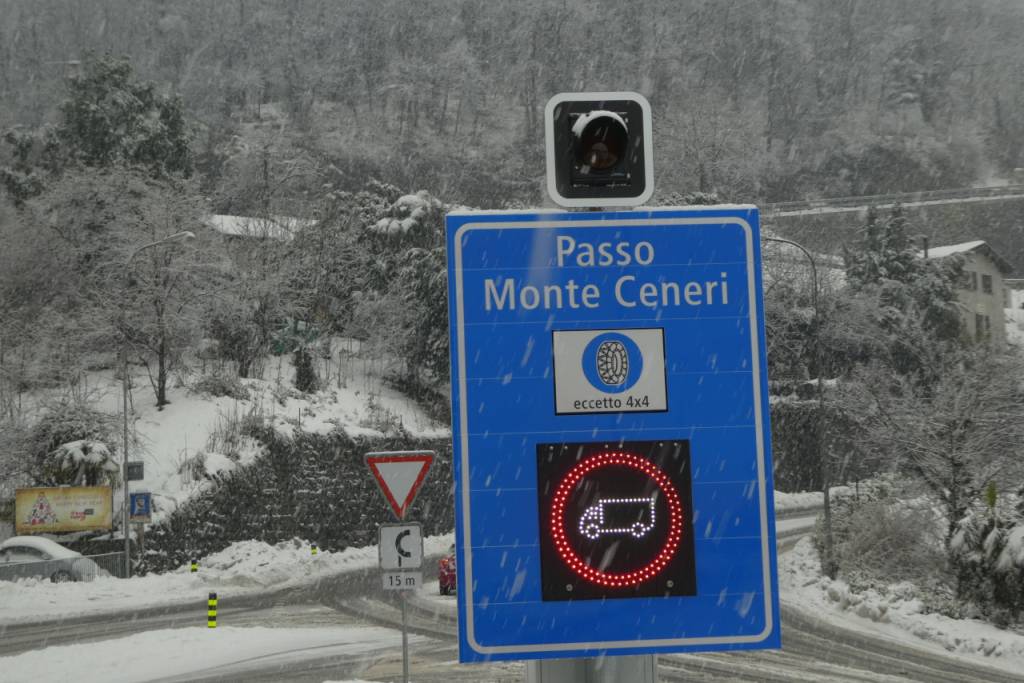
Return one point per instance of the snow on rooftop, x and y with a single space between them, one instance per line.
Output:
979 246
949 250
274 227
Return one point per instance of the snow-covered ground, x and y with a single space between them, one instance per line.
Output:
179 652
241 569
896 616
354 399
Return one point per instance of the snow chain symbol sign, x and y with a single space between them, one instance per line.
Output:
612 363
604 371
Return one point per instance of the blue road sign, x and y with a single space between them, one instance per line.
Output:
140 507
610 412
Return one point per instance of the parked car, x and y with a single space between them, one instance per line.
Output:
446 580
29 556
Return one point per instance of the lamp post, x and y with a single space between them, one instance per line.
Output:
826 469
176 237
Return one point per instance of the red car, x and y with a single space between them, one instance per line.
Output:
446 573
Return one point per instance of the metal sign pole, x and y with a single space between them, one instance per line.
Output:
633 668
405 643
124 506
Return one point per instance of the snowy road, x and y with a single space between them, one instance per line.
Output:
337 608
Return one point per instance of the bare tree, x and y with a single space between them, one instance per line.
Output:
957 436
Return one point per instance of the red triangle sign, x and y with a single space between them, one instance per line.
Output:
400 475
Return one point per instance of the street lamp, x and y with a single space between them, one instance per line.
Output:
176 237
826 469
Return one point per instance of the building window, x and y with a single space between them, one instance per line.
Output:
982 326
971 281
986 284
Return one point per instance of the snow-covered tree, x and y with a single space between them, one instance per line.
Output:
913 299
86 462
957 435
72 444
882 252
987 554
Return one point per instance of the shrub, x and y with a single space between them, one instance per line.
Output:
220 384
232 430
64 423
880 539
305 373
987 554
312 486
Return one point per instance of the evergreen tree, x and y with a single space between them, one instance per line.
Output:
305 374
883 252
108 119
111 118
913 299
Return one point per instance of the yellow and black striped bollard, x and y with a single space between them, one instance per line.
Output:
313 549
211 611
195 566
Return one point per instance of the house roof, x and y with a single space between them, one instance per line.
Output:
975 246
274 227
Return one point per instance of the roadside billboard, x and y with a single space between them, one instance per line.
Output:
65 508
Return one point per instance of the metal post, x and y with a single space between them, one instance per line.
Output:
632 668
124 520
405 643
819 359
178 236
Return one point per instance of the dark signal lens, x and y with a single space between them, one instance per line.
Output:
601 139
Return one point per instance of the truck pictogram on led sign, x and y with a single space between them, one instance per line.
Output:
615 520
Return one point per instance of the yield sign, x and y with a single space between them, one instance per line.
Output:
400 475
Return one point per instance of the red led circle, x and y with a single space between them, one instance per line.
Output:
561 541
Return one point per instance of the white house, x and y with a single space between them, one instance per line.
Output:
983 293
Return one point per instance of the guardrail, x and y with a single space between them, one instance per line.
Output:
895 198
112 562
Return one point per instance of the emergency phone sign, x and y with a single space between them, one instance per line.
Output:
610 433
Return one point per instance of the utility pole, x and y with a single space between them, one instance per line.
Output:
819 430
176 237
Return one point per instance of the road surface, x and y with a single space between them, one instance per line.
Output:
812 649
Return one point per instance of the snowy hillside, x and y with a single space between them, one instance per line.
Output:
195 434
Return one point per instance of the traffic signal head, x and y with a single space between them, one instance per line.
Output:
598 149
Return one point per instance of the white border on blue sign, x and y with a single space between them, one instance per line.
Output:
467 546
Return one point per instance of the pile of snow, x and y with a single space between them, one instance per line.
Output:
806 500
185 651
243 568
896 614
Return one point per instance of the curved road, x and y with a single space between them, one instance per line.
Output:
813 649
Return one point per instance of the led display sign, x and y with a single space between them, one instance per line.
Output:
615 520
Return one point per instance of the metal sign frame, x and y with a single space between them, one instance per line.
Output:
135 470
502 395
